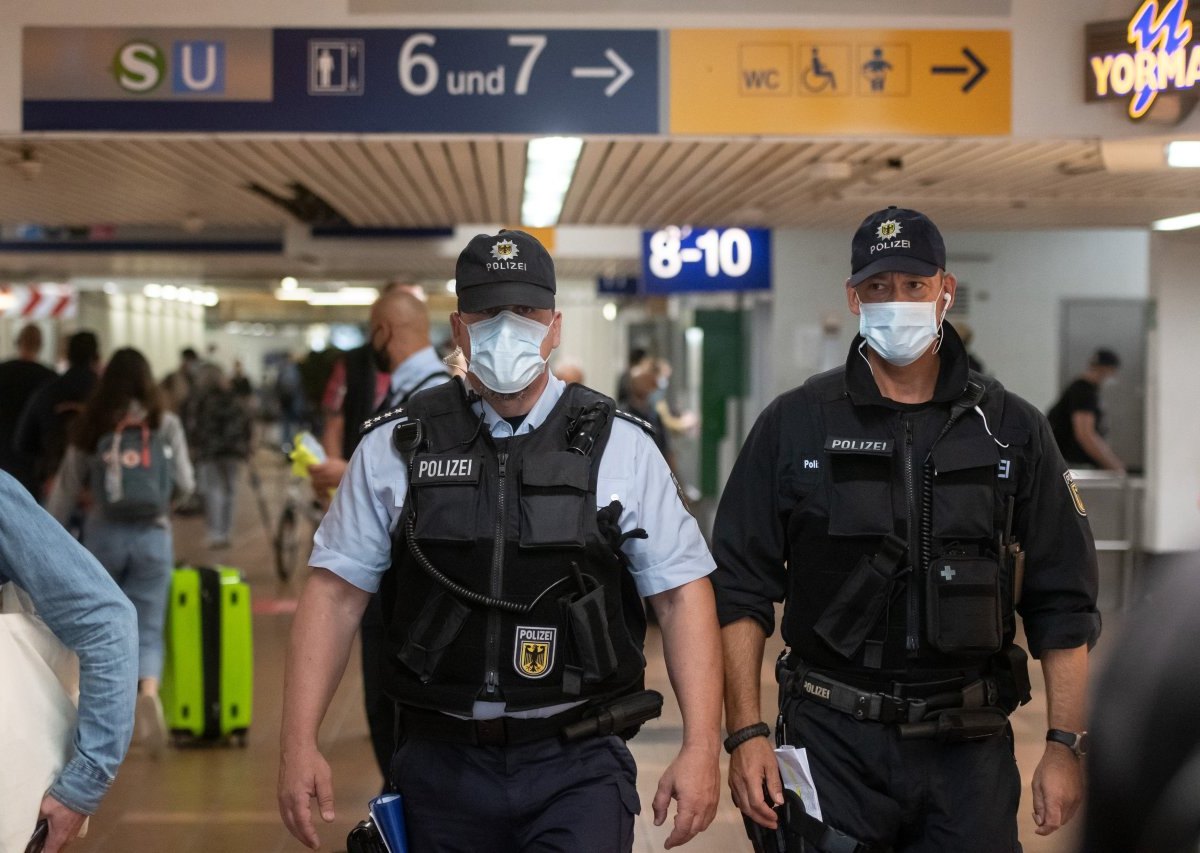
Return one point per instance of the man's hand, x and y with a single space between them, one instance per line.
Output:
1057 788
694 780
304 774
327 476
753 768
64 824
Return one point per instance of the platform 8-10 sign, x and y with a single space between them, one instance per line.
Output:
682 259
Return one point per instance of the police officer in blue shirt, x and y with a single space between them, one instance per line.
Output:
514 522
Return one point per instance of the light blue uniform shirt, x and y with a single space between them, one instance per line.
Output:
355 539
423 369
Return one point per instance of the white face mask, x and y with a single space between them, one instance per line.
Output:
506 351
900 332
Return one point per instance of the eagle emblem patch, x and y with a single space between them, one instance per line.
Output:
533 655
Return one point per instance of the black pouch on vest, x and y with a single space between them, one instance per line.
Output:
435 628
854 611
447 496
962 605
596 657
554 496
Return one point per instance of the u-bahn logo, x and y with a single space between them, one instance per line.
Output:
534 653
1160 59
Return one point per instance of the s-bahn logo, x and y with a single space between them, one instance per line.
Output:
196 67
1158 56
533 656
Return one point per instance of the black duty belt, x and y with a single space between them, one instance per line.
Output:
502 731
883 707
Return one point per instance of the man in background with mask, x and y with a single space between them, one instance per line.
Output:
517 520
894 502
1078 419
398 348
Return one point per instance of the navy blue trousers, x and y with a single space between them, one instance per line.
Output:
543 797
914 796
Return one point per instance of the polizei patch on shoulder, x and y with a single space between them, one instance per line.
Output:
1076 498
533 652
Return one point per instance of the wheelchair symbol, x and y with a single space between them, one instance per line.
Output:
818 77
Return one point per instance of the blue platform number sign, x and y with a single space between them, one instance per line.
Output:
679 259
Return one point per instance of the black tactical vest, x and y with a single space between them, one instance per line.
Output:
534 606
948 604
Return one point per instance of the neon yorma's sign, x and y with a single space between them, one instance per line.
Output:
1150 55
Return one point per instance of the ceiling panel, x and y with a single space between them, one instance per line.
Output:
407 182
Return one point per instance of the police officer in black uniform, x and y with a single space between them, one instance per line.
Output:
511 523
904 507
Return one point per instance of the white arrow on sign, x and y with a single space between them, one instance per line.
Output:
619 71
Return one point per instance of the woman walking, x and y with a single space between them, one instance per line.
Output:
127 461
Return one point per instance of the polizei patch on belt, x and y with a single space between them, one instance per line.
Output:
533 654
876 446
434 470
1075 496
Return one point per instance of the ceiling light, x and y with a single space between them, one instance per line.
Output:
154 291
170 291
110 287
609 311
299 294
1177 223
452 286
1183 154
345 296
549 167
210 299
288 283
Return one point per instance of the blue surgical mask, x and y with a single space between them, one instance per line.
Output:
506 351
900 332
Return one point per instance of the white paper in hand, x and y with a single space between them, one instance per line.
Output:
797 776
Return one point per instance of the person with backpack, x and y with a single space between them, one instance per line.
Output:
221 443
126 461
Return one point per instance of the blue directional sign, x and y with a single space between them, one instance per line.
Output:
357 81
619 285
685 259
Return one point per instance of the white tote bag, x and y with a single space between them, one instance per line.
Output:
39 679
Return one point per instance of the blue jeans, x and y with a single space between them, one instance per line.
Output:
219 482
139 556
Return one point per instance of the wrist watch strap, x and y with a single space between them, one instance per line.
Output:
742 735
1074 741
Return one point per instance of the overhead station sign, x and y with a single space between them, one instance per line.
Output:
341 81
682 259
839 82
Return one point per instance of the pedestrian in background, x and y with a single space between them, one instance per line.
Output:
220 441
127 460
20 378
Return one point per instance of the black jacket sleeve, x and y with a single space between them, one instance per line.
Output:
749 534
1058 598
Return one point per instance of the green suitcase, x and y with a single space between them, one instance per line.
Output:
208 667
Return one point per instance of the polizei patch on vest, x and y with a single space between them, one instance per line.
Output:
533 653
436 470
1076 498
876 446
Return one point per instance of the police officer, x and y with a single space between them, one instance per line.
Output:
894 503
521 520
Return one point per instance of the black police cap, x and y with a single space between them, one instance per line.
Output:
510 268
896 240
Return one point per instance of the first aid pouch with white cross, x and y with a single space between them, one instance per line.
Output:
962 604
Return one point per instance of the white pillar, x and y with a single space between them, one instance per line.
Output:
1172 520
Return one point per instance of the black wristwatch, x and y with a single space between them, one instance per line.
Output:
1077 742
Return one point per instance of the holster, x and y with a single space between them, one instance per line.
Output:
855 610
1010 668
365 838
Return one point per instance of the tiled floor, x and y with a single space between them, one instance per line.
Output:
223 800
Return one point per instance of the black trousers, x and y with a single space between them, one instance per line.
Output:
543 797
914 796
381 711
